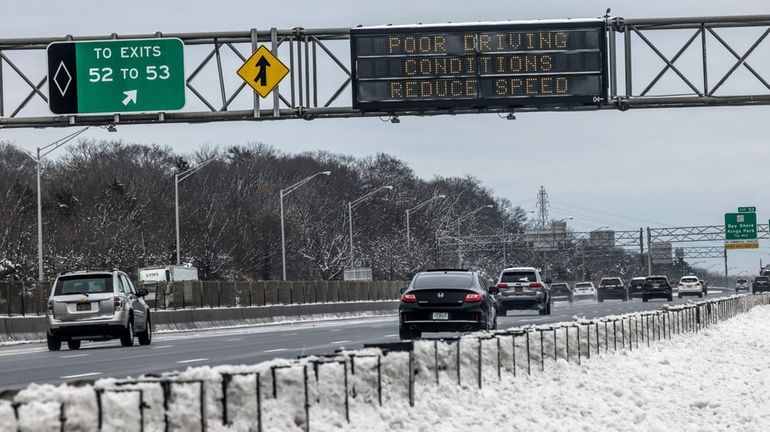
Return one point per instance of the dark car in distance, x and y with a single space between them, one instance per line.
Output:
561 291
635 287
657 287
611 288
761 284
446 301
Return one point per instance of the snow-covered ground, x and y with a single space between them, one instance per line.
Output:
716 380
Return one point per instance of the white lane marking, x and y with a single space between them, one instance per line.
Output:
335 330
535 319
233 340
80 375
192 360
162 347
291 334
275 350
391 336
73 356
21 353
340 342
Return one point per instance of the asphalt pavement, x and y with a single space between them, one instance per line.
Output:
21 365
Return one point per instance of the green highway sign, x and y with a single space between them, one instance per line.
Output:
741 231
115 76
747 209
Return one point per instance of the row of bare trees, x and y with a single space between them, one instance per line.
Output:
111 204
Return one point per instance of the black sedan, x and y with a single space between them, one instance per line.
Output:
446 301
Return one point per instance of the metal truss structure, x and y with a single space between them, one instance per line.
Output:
622 239
319 62
696 234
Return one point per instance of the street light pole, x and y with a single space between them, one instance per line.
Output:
460 219
178 178
415 208
282 194
38 157
353 204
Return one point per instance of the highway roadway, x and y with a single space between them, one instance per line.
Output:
21 365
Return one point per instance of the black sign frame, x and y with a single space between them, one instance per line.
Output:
480 104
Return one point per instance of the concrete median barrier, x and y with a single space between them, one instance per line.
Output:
19 329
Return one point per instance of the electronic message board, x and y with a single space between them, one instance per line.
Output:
478 66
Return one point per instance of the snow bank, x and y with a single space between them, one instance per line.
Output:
529 376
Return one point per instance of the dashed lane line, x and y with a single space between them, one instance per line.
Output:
80 375
192 361
73 356
275 350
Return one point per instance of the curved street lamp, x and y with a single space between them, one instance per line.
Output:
415 208
283 193
351 206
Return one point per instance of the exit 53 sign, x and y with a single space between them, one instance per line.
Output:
114 76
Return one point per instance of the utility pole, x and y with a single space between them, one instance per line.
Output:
542 208
727 283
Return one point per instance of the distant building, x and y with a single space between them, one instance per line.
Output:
551 239
602 239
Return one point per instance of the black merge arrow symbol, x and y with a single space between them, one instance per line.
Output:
261 77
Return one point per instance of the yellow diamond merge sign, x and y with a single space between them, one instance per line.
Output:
263 71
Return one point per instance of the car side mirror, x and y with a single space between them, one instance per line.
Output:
142 292
404 289
493 290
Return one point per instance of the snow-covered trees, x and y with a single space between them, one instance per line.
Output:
111 204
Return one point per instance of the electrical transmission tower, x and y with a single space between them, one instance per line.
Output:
542 208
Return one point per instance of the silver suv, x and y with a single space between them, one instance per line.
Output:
96 305
523 288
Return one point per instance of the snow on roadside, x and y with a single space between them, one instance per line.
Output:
714 380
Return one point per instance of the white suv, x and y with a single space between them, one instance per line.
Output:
584 290
689 285
97 305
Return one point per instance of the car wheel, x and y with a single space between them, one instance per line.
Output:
671 297
571 300
502 311
680 296
54 342
548 312
700 295
73 344
644 299
404 334
145 337
600 299
127 339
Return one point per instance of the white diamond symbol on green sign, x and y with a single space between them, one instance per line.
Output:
66 76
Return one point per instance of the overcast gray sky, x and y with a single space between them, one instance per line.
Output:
665 167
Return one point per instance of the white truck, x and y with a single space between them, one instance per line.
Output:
168 273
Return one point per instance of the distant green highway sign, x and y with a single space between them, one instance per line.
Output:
747 209
741 231
114 76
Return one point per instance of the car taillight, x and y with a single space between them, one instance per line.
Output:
50 306
697 283
535 285
409 298
118 303
472 298
680 284
502 285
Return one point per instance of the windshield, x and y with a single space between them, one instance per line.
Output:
637 282
741 281
443 280
521 276
762 278
689 279
94 284
583 285
659 281
559 285
611 281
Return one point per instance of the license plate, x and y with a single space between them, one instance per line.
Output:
519 289
84 306
440 316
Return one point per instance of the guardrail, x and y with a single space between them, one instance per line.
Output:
276 394
30 298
